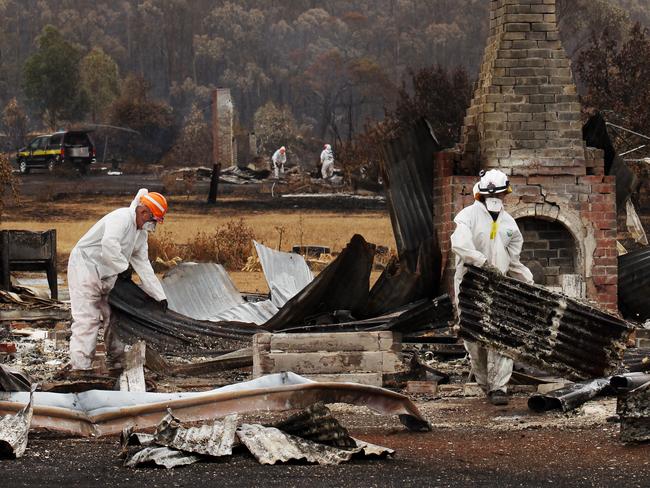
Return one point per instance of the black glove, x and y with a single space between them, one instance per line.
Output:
490 267
163 305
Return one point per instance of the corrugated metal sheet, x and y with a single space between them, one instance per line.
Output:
343 285
285 273
162 456
316 423
204 291
140 317
200 290
414 318
407 170
109 412
270 445
634 284
215 439
538 327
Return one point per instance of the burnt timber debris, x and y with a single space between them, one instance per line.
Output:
539 327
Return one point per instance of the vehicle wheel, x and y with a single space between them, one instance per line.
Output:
24 168
51 165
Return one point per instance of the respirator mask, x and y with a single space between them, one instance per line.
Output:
494 204
149 226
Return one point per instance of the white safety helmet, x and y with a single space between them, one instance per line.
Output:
327 146
283 149
492 182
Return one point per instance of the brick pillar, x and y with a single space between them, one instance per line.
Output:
525 105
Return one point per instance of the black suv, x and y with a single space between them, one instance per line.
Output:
49 151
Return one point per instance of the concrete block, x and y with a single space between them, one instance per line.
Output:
329 362
545 388
336 341
472 390
422 387
371 379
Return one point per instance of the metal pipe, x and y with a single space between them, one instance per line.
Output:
627 130
568 397
629 381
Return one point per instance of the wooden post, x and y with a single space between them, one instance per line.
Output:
216 164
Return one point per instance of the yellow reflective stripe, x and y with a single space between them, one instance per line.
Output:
493 232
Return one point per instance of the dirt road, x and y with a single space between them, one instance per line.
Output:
472 444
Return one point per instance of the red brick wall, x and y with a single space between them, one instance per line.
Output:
590 197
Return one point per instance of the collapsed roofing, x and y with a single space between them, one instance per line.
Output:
542 328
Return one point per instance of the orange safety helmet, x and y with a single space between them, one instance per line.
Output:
155 202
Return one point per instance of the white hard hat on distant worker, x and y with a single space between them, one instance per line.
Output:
283 149
493 181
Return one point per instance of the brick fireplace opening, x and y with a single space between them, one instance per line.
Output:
549 251
525 120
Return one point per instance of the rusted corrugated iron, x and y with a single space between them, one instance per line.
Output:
544 329
634 284
633 409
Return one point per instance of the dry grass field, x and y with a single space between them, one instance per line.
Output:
72 218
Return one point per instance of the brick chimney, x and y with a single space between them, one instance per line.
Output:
525 120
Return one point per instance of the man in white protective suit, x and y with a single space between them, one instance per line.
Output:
279 159
105 251
487 236
327 162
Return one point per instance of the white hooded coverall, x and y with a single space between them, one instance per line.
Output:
279 159
100 255
474 242
327 162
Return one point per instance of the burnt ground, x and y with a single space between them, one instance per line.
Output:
472 444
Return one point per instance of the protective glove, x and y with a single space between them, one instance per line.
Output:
487 266
126 274
164 305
